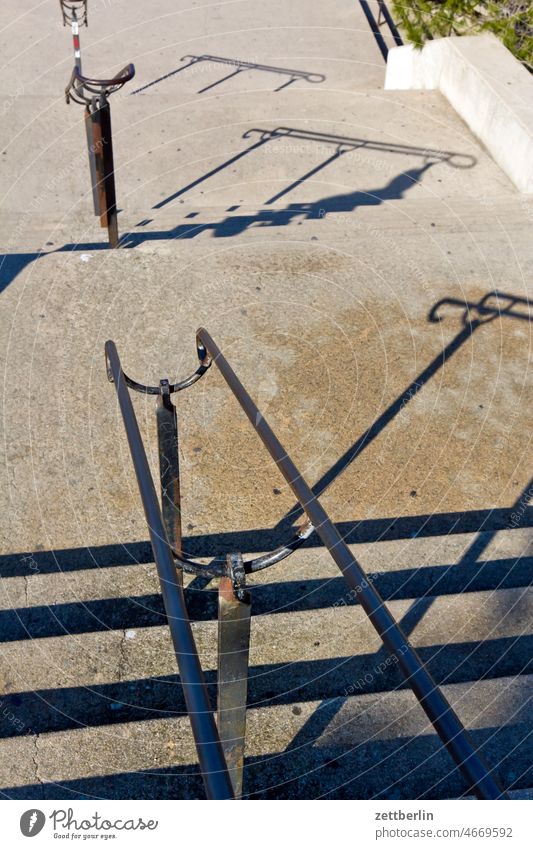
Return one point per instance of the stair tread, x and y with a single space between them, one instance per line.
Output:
350 729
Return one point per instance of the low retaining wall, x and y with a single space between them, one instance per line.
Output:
488 88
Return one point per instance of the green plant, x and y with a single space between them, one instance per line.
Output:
509 20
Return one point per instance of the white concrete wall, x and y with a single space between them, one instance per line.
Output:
486 85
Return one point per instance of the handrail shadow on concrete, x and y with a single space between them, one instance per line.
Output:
240 66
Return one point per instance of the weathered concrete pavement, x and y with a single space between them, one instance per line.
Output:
316 260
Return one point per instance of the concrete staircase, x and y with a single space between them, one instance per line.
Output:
316 264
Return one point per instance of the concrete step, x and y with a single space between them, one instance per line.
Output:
357 747
335 149
54 605
458 223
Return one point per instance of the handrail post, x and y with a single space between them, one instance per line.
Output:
108 167
70 15
92 148
93 122
169 468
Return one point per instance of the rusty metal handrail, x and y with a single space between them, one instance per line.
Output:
78 82
234 600
210 754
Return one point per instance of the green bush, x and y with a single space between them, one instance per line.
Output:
510 20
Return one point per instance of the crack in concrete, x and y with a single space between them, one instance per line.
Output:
26 588
122 659
35 760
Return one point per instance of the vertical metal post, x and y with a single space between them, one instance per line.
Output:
91 150
76 39
234 609
75 27
169 469
110 205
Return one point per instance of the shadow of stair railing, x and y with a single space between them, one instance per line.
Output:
342 145
310 772
239 66
144 611
495 305
12 264
255 540
491 306
284 683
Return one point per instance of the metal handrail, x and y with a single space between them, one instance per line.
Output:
384 16
387 17
210 754
437 708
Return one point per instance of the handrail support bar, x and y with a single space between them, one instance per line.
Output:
445 721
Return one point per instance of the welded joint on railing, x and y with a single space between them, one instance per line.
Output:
70 9
218 567
237 575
